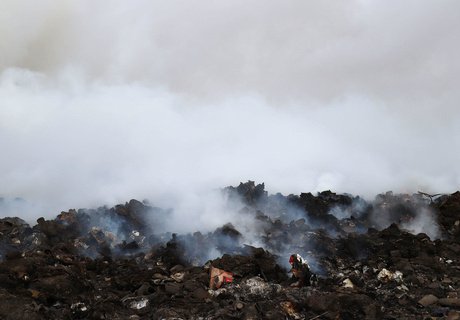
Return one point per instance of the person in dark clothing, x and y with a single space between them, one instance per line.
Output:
300 270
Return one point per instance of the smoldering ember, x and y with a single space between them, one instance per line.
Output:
396 257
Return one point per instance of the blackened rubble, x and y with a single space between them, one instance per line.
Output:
371 260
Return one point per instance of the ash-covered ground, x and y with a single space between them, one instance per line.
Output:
396 257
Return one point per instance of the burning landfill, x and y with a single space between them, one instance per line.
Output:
327 256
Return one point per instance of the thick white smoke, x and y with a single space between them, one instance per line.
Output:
101 102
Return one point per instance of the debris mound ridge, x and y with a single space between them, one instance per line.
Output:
395 257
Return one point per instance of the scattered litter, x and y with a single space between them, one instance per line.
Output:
386 275
136 302
218 277
348 284
80 306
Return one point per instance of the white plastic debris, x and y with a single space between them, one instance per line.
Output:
139 304
136 302
398 276
348 284
386 275
80 306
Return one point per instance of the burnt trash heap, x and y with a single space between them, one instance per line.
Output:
323 256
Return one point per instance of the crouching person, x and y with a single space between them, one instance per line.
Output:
301 271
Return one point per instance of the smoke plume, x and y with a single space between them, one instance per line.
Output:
100 103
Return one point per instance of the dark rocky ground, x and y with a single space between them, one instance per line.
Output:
118 263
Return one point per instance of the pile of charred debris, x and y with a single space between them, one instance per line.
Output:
324 256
